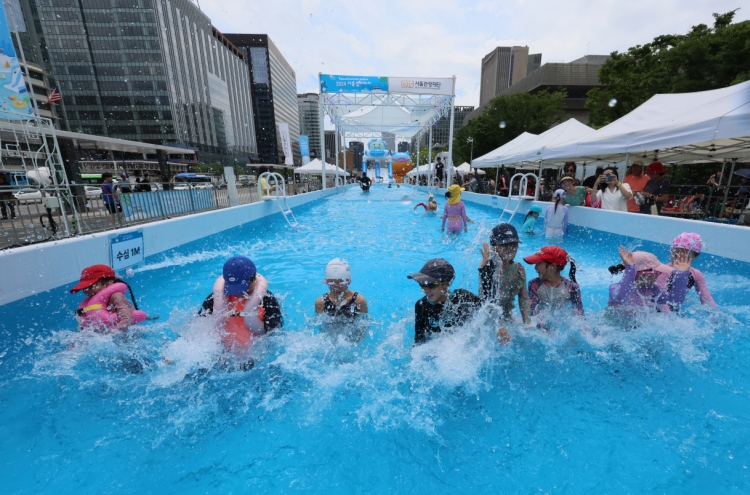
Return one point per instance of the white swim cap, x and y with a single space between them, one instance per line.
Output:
338 269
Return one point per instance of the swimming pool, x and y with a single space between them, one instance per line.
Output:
591 408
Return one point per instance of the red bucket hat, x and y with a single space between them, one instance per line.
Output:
91 275
656 168
551 254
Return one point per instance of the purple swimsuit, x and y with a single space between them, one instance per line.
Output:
456 216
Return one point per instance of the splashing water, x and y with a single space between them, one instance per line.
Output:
160 408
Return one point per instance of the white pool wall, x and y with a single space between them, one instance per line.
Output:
728 241
28 270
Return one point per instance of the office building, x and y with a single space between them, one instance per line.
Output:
274 89
358 152
390 141
576 78
330 142
403 146
154 71
309 121
535 61
441 130
501 68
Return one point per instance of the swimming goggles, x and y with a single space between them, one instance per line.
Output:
332 285
431 285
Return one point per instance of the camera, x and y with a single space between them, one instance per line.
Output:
610 178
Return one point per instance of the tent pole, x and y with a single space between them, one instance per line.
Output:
538 181
729 183
322 136
711 191
429 159
449 165
418 150
343 138
336 137
497 177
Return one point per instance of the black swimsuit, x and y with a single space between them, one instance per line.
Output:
348 310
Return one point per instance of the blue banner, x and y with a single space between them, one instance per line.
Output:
13 94
352 84
304 146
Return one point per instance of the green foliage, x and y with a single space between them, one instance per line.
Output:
705 58
521 112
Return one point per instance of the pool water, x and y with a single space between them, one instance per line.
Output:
590 407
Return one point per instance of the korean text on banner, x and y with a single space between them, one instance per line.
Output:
126 250
421 85
13 94
304 148
286 143
352 84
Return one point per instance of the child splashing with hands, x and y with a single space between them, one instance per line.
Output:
551 290
501 279
105 308
686 248
430 207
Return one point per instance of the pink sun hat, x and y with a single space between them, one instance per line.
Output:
688 240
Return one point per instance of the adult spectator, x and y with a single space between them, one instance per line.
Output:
166 185
574 195
591 181
569 170
124 184
612 194
471 184
111 198
7 200
717 182
439 168
503 181
656 191
637 181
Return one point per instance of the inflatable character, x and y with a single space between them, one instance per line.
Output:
376 152
401 165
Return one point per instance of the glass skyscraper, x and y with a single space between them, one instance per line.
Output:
309 121
155 71
274 88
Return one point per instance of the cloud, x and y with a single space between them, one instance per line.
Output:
450 37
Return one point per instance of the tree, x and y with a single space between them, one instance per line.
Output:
705 58
521 112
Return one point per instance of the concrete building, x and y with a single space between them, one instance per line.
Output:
576 78
154 71
441 129
309 121
503 67
330 142
274 89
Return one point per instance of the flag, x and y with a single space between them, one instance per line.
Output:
55 96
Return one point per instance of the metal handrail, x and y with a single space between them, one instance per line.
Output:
522 186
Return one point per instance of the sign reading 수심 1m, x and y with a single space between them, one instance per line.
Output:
126 250
421 85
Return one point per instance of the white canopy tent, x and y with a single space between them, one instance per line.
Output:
465 168
420 170
533 151
709 125
316 167
490 159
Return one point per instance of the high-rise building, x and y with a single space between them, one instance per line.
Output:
403 146
309 121
274 88
155 71
535 61
330 142
390 141
358 151
501 68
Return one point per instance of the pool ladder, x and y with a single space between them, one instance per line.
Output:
522 186
279 195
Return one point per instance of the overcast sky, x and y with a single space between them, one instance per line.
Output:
442 38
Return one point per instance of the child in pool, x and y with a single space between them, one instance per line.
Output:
529 223
343 306
431 206
105 308
501 279
638 286
687 247
551 290
454 211
556 217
